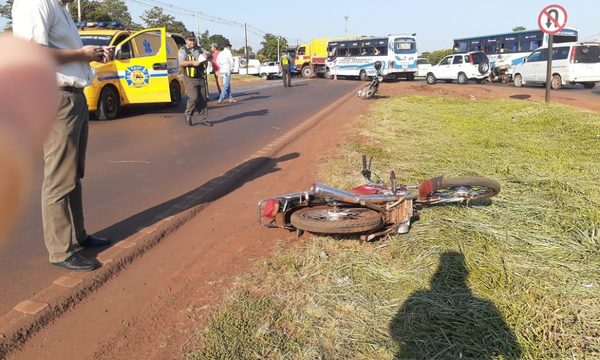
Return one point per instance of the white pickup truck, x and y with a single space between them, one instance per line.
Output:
269 69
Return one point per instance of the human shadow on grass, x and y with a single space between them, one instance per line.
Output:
449 322
206 193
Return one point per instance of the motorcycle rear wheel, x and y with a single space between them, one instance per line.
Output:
343 220
456 190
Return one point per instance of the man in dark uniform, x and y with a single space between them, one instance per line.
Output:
193 61
286 68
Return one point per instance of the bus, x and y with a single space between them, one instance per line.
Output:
511 48
356 58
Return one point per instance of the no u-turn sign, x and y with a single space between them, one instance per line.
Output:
552 19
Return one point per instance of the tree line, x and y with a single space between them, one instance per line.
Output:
117 10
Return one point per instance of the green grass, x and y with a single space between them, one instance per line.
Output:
517 278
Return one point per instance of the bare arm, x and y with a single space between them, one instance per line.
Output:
86 53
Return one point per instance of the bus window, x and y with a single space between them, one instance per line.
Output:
491 46
404 45
366 48
531 41
509 44
566 35
460 46
354 49
474 45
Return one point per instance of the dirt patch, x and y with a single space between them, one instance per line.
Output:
579 98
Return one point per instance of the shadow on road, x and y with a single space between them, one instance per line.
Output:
242 115
262 97
204 194
449 322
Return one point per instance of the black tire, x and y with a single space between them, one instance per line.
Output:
410 77
431 79
264 76
362 75
347 220
480 81
328 73
483 67
456 190
175 91
556 82
307 72
589 85
242 62
518 80
109 104
462 78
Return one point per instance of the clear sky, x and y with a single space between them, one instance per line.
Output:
436 22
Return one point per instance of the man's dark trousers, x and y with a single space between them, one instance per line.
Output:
195 89
287 77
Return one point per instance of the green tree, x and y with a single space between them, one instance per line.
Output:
155 17
6 12
519 28
206 39
241 51
269 47
434 57
107 10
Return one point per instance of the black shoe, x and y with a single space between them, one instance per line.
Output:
205 123
93 241
76 262
188 120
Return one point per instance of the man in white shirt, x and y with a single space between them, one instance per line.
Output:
48 23
225 62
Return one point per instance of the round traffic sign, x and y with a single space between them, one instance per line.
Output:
552 19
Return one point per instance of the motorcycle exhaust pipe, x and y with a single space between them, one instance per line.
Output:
329 192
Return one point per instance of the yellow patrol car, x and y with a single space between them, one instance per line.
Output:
145 68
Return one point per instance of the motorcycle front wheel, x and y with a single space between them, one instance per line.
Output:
455 190
340 220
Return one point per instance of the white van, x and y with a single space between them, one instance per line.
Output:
572 63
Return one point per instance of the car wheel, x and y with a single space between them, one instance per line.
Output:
264 76
175 91
108 104
410 77
556 82
307 72
589 85
483 67
431 79
462 78
363 76
518 80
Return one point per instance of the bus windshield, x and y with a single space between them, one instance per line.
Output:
404 45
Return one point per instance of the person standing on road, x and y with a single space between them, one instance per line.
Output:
225 63
193 62
286 69
49 23
214 48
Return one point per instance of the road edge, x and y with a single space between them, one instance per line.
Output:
17 326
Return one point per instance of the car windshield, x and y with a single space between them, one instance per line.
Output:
587 54
96 40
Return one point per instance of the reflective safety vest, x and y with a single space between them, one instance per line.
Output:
285 61
195 72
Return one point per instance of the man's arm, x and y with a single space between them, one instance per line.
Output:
86 53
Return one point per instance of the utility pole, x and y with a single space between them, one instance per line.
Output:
346 25
197 15
78 10
246 46
278 52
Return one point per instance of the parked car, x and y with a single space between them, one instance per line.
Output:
572 63
423 66
269 69
460 67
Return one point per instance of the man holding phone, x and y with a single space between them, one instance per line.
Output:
49 23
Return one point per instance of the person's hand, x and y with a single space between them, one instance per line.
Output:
94 53
28 105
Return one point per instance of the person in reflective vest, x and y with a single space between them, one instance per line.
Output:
286 70
193 62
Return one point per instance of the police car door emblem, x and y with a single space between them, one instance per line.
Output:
137 76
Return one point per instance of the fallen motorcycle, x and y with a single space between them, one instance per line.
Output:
372 89
371 210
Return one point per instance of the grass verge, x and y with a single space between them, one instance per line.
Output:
517 278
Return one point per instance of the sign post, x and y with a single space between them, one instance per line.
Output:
552 19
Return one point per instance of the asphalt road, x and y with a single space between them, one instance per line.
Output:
150 156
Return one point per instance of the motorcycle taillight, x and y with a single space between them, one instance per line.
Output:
270 208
